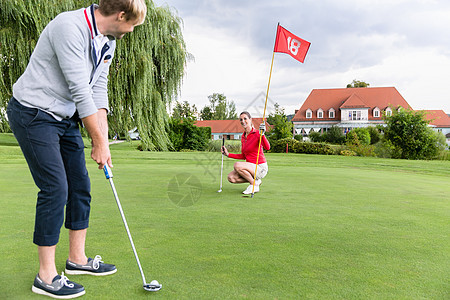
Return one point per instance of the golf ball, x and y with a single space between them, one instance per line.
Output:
154 282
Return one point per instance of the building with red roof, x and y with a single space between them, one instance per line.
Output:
347 108
230 129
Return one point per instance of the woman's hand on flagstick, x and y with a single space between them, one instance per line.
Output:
224 151
262 128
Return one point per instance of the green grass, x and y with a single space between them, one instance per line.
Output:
322 227
8 139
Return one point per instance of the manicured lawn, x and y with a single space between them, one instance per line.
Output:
322 227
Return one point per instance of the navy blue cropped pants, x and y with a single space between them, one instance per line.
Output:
54 151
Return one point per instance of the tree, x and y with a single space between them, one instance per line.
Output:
144 78
219 108
184 135
315 137
282 128
21 22
409 136
357 84
206 113
352 138
363 135
184 111
375 135
334 135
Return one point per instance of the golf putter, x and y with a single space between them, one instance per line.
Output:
221 168
154 285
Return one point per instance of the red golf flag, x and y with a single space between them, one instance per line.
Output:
288 43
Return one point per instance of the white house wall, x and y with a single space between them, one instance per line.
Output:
345 115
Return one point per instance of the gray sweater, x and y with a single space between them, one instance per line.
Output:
61 77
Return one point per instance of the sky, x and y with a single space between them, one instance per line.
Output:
399 43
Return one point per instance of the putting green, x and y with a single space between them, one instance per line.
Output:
322 227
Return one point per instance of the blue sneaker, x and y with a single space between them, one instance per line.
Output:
61 288
94 267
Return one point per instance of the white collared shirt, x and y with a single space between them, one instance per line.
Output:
99 41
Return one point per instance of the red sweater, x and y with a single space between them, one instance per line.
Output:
250 148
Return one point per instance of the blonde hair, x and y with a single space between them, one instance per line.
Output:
133 9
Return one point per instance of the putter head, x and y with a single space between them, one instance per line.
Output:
219 191
152 287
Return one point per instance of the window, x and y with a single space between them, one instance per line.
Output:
320 114
331 114
354 115
376 113
308 113
388 112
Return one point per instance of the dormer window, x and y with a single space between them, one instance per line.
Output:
331 113
376 112
308 113
320 113
388 112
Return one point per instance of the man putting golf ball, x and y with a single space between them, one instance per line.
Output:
244 172
64 84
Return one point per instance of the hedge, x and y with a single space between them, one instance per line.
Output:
301 147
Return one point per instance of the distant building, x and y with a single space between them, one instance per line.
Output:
230 129
347 108
440 122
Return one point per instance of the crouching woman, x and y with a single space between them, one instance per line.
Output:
244 172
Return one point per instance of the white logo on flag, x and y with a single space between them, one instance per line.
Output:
293 45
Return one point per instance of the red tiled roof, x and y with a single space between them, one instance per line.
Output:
381 97
354 101
227 126
438 118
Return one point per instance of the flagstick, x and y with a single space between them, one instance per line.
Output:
303 44
264 115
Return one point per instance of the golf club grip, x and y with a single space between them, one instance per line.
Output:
223 141
108 172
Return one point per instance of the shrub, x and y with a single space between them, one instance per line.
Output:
352 138
280 145
298 137
185 135
441 142
444 155
315 137
347 153
363 135
335 135
383 149
375 134
408 133
313 148
362 150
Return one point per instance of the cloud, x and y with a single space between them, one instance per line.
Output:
400 43
223 64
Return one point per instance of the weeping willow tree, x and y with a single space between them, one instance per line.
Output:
145 75
148 71
21 22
